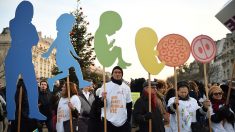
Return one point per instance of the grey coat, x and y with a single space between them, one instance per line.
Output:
85 111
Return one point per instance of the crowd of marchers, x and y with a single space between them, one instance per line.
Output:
111 104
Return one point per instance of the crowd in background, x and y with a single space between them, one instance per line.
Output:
86 106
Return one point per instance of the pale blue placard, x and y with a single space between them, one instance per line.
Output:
65 52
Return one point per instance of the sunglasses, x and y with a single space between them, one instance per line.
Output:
216 94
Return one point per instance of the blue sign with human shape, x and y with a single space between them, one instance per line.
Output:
19 61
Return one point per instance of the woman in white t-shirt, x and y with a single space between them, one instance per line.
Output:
187 107
65 105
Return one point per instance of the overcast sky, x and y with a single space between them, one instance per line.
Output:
188 18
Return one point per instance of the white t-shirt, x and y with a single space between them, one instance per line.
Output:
63 111
117 97
222 126
187 111
86 94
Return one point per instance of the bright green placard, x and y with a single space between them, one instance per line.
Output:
107 52
135 96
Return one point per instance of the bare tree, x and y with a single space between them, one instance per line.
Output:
212 71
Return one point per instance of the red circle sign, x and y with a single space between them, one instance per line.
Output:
203 48
174 50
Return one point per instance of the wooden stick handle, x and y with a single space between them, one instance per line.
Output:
150 108
176 95
70 112
20 105
19 112
230 85
206 89
104 84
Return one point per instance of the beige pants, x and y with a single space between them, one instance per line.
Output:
4 125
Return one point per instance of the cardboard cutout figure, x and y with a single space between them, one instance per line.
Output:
64 48
145 41
106 52
19 60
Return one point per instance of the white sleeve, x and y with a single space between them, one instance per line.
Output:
76 102
128 95
196 104
101 91
211 110
2 100
170 101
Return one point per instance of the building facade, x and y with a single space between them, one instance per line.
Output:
224 59
43 66
5 41
220 68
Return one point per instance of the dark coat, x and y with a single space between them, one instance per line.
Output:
140 109
27 124
85 111
45 99
94 122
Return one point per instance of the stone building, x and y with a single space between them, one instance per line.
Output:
224 59
5 41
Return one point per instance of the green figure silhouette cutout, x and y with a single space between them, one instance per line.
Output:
106 52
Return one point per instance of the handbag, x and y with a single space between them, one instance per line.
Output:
66 125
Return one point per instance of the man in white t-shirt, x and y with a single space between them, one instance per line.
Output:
119 103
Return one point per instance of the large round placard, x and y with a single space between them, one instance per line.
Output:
203 48
174 50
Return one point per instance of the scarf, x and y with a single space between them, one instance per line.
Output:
216 104
153 100
118 82
184 99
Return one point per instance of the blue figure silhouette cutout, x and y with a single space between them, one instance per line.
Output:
64 48
19 60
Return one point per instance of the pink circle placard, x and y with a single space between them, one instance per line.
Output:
203 48
174 50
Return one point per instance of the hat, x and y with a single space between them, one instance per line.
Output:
119 68
182 84
145 84
213 89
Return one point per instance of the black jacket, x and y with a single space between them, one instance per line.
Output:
140 109
94 122
45 101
